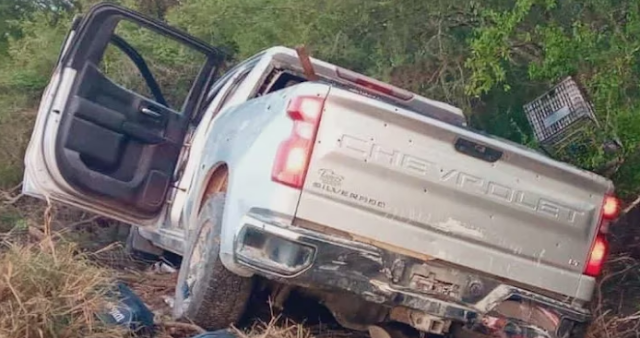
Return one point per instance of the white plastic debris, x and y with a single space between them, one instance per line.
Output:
163 268
168 300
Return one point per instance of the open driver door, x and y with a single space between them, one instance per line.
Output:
111 125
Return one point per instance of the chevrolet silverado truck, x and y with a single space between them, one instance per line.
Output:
297 173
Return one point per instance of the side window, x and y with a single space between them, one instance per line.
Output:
234 87
244 69
151 64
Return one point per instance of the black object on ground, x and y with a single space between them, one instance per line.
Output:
129 311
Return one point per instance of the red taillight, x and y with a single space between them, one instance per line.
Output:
292 158
597 256
374 85
610 207
600 248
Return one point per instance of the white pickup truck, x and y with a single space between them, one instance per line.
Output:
378 201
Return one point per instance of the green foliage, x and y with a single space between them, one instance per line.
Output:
172 65
419 45
25 68
487 57
492 46
14 12
28 52
30 59
595 41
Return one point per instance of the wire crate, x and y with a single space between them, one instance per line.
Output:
560 115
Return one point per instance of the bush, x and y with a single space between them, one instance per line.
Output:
417 45
541 41
24 72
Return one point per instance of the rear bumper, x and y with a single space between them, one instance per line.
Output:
304 257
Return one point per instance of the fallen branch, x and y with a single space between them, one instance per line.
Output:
112 246
12 200
146 281
84 221
7 196
16 188
630 206
186 326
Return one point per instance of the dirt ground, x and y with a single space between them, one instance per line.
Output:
26 220
615 306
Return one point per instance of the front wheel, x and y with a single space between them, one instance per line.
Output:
207 293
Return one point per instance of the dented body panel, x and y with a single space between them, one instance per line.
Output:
409 211
384 278
389 175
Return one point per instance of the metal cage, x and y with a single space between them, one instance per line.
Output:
560 115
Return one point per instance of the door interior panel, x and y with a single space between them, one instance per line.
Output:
112 149
98 145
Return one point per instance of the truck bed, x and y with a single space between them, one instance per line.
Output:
392 177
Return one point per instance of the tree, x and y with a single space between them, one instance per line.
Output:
538 42
12 12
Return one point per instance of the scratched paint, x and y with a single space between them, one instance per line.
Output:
452 225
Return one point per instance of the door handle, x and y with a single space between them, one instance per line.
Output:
150 113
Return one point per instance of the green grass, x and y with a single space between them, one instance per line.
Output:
17 117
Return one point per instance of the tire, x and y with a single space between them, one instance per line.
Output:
207 293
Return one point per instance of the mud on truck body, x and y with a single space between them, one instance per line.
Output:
379 202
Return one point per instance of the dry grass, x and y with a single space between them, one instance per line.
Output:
274 329
49 290
616 306
152 286
52 290
281 327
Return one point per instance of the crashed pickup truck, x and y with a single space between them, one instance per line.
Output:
297 173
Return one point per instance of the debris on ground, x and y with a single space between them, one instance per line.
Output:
129 311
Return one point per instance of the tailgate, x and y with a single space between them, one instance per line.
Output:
440 191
